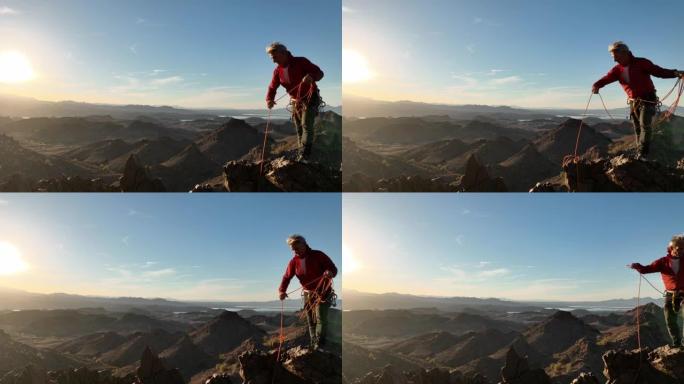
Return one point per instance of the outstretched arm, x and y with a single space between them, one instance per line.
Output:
610 77
655 266
660 72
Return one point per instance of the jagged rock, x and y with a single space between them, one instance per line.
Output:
219 378
136 178
280 174
316 367
297 366
633 367
585 378
621 174
153 371
668 360
477 179
517 371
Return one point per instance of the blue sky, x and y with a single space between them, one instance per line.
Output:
196 54
173 245
516 246
531 53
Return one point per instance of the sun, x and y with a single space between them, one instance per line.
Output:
355 67
349 262
15 68
11 261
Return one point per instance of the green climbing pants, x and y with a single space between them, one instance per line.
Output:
304 119
317 319
673 302
642 113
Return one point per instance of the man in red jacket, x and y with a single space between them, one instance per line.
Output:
672 272
299 76
634 74
314 269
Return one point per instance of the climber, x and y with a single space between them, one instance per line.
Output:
313 269
299 76
634 74
672 273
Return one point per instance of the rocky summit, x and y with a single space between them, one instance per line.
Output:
296 366
663 365
280 175
617 174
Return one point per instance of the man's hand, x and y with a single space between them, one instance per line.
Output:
283 295
270 104
307 79
636 266
594 89
327 274
680 74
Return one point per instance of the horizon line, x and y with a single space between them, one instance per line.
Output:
350 290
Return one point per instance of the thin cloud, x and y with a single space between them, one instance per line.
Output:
133 48
494 272
160 273
7 11
506 80
167 80
125 240
459 239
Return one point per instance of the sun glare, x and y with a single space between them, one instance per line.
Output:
15 68
354 67
11 261
349 262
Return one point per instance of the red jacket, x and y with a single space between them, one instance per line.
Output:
663 265
308 268
290 77
640 85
